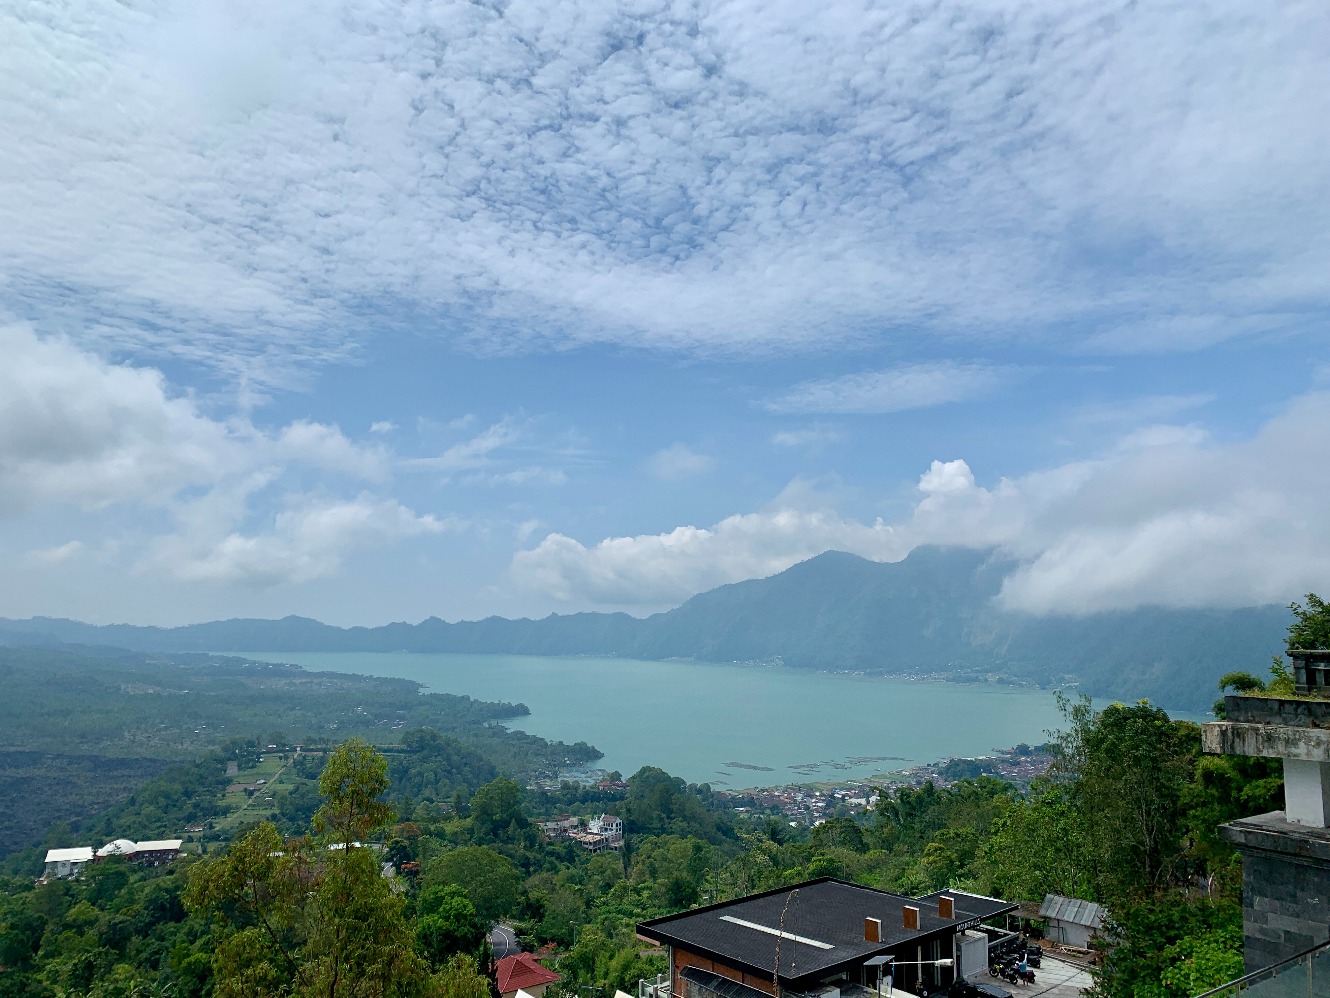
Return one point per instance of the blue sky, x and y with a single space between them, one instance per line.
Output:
371 311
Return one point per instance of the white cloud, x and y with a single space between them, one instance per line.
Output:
324 446
51 557
382 426
1167 516
307 540
232 182
530 475
1144 409
477 452
661 569
915 386
77 430
678 461
497 456
811 437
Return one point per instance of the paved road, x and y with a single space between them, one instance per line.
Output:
504 941
1055 979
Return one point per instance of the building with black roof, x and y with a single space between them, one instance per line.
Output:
816 938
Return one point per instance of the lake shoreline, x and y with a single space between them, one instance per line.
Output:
728 725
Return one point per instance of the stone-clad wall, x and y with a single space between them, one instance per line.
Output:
1285 887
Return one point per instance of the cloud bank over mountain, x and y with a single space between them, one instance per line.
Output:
1168 516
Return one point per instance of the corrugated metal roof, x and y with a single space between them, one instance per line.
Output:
78 854
1072 910
161 845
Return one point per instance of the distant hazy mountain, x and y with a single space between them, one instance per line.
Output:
931 613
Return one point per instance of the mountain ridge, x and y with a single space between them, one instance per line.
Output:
932 613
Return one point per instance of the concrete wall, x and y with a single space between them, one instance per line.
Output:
972 952
1285 712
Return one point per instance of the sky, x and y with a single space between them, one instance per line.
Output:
375 310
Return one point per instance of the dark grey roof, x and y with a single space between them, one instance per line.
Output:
722 986
1072 910
822 922
970 906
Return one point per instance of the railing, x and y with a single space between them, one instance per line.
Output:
1306 975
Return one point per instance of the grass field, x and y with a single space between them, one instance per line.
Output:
279 778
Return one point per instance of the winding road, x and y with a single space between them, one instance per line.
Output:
504 941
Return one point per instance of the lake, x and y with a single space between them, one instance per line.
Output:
719 723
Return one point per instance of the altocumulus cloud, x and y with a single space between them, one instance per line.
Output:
717 176
1166 517
76 430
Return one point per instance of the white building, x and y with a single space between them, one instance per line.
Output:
605 832
607 824
67 862
118 847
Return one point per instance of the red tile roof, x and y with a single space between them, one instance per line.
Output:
522 971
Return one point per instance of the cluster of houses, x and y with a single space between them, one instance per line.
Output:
70 862
597 835
802 804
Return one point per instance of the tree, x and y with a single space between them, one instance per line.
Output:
660 804
447 924
496 812
1170 946
839 833
1280 684
490 880
309 917
1037 847
675 868
1311 624
1126 769
459 978
352 782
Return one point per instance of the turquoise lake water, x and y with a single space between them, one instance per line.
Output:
697 720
